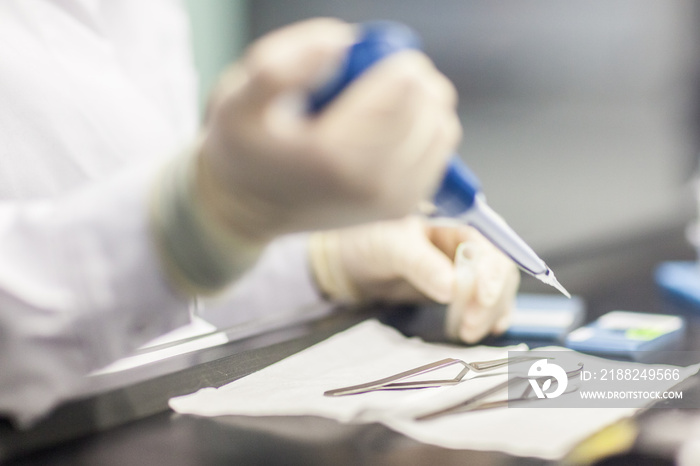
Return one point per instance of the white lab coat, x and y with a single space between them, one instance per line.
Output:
94 94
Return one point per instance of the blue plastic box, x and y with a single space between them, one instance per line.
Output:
628 335
545 317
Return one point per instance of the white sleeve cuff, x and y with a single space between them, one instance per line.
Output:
280 284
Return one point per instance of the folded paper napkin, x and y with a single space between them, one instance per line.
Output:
370 351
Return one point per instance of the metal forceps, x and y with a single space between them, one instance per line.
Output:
475 403
394 382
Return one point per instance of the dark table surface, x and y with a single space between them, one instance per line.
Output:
133 425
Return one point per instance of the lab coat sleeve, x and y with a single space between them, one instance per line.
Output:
80 286
279 289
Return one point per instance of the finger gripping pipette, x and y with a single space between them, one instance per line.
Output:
459 195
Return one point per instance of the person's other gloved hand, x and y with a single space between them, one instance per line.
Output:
264 166
408 260
486 282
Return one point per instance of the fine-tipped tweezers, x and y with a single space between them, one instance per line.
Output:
475 403
393 382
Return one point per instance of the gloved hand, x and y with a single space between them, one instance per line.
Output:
409 260
264 167
268 168
484 295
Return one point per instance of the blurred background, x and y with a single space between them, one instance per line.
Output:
580 118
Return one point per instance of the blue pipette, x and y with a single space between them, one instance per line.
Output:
459 196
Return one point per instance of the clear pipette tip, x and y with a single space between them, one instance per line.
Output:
549 278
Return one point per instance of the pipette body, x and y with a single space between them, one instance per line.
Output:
459 196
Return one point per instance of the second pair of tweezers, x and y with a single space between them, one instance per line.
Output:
394 382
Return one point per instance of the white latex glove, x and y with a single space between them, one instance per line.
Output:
485 285
268 168
264 167
408 260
